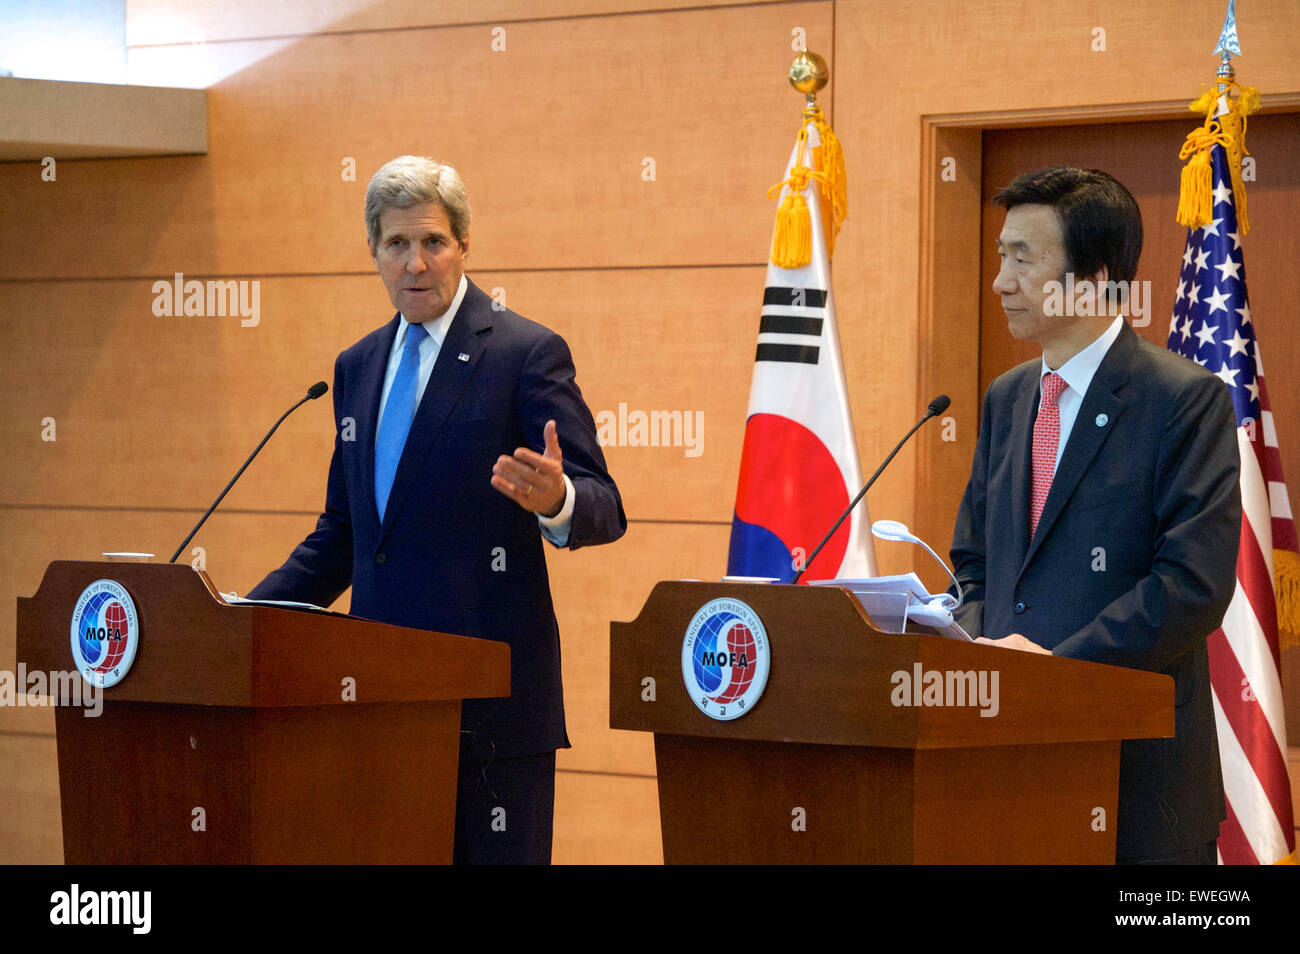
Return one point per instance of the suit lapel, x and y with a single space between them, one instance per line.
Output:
374 369
467 335
1087 435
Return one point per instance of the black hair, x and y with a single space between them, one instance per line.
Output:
1100 221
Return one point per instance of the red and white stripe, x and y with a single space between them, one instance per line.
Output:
1245 666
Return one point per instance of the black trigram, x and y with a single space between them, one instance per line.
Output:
776 319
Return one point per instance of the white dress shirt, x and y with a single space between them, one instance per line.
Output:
555 529
1078 373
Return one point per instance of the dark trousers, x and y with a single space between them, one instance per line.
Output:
505 810
1206 854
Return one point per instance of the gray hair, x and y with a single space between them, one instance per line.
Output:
406 180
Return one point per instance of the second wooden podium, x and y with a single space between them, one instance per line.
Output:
866 747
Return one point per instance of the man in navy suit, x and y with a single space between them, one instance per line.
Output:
1102 515
461 441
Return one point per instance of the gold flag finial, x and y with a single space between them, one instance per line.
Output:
1225 125
818 161
809 74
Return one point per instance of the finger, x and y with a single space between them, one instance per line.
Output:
529 496
521 491
523 474
524 482
510 490
551 438
535 461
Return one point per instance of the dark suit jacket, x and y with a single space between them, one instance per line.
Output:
1150 488
453 554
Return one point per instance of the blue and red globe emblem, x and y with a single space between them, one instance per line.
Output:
725 659
104 633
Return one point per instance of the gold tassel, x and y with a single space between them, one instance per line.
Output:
792 237
792 240
1196 193
1247 102
1195 196
834 185
1286 586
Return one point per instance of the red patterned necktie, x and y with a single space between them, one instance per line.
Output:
1047 437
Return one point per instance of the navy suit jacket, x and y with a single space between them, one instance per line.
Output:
453 554
1133 563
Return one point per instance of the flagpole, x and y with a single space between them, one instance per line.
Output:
1228 46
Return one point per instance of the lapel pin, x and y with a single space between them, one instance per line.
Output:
1102 420
463 356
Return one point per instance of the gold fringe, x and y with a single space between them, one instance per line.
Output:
792 237
1286 586
792 240
1195 196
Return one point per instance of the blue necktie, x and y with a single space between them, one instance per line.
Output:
397 416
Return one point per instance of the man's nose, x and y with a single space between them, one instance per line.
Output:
1003 283
415 263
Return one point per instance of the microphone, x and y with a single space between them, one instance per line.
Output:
313 392
937 406
898 532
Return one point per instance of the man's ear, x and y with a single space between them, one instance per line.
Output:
1106 306
464 247
370 244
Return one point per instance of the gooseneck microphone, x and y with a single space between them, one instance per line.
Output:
313 392
937 406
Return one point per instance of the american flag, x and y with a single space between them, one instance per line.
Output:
1212 325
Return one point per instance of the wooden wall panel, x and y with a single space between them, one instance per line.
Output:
606 819
152 22
949 270
597 585
31 826
647 339
555 177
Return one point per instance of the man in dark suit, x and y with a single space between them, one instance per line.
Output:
1102 516
462 439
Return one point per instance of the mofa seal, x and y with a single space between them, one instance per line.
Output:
105 633
725 659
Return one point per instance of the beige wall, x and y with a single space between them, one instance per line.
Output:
656 285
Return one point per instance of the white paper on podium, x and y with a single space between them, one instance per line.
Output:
893 601
234 600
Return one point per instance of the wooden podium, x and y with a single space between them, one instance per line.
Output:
829 768
232 738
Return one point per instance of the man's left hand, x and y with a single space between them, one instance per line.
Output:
532 480
1015 641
